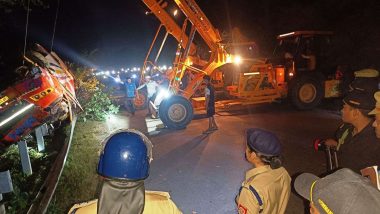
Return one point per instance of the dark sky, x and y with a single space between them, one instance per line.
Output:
119 32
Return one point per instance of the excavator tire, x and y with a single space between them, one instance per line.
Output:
176 112
306 92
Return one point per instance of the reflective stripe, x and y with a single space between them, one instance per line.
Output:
256 194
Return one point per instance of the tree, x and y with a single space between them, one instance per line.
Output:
7 5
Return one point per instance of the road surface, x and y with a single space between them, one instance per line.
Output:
204 172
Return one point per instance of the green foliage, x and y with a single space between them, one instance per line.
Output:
96 103
99 107
24 187
79 180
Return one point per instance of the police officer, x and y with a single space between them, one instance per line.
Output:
124 165
266 188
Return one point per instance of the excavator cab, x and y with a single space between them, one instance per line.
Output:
305 59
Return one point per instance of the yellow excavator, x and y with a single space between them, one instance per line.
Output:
259 83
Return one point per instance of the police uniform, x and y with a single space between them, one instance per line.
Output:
155 203
264 190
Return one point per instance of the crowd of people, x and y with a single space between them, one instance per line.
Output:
125 160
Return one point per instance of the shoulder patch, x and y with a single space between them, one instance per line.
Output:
242 209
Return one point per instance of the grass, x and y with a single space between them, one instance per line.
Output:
79 180
26 187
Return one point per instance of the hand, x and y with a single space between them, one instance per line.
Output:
331 143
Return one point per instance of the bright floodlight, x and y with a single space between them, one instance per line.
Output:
237 60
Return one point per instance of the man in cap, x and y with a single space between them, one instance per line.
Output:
266 188
342 192
124 165
355 139
376 112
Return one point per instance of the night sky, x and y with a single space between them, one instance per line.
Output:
118 33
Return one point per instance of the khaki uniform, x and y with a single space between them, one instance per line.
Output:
264 190
155 203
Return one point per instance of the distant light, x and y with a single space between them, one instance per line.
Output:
175 12
291 74
117 79
107 72
104 77
164 67
139 69
113 72
237 60
148 68
170 67
122 69
134 76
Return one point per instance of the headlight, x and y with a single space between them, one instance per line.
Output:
163 93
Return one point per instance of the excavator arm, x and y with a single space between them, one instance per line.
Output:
187 63
203 26
158 9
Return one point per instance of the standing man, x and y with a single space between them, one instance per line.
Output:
376 112
124 165
130 91
266 188
210 104
355 139
151 87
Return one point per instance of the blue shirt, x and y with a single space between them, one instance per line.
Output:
130 89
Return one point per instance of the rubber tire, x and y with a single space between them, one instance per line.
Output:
295 91
164 112
145 103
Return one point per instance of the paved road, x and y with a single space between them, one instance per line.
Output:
204 172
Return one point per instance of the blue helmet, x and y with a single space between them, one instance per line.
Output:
126 155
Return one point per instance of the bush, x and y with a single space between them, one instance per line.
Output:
96 103
99 107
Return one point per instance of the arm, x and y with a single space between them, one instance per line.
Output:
141 86
207 97
246 202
